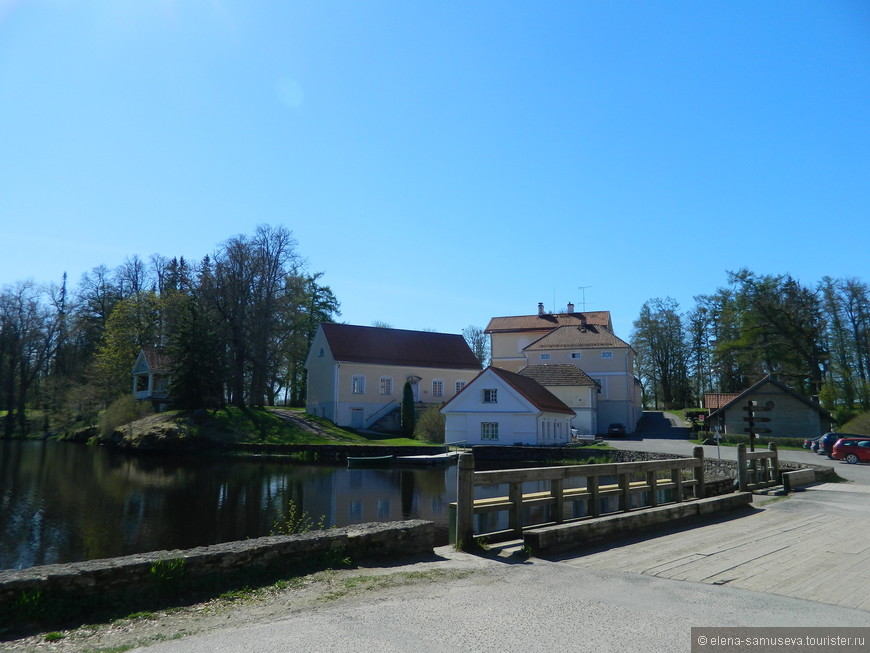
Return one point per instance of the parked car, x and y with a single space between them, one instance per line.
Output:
616 429
826 443
812 443
852 450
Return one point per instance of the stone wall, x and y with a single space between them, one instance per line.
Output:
49 591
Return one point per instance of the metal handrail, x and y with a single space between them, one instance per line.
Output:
382 411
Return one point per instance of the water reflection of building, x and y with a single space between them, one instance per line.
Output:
365 495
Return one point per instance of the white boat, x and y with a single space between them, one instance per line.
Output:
429 459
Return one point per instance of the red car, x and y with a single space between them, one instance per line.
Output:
852 450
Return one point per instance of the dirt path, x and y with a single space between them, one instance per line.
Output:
298 420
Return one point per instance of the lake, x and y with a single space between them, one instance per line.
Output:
62 502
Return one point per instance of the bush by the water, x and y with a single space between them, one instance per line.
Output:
120 412
430 425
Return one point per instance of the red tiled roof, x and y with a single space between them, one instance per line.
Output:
360 344
156 359
549 321
537 394
715 400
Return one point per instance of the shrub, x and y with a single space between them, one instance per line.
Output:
296 521
430 425
121 411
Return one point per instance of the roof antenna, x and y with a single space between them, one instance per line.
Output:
583 288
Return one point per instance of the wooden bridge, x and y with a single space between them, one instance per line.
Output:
567 500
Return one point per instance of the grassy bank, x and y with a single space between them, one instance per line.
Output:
203 429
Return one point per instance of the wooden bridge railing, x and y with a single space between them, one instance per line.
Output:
757 469
637 485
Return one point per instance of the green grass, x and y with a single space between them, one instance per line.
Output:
232 425
266 426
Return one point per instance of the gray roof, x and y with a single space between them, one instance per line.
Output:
772 380
550 375
573 337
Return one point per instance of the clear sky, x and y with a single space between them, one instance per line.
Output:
443 162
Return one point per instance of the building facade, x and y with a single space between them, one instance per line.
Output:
356 374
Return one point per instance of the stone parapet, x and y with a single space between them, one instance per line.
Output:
28 593
577 534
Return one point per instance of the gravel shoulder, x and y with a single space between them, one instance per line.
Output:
244 608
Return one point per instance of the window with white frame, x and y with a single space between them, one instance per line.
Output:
386 385
437 388
490 395
489 430
607 354
545 357
358 384
460 386
575 354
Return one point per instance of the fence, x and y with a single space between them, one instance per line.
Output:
588 489
757 469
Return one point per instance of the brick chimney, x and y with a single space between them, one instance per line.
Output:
570 307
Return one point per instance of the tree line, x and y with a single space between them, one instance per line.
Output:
816 339
236 328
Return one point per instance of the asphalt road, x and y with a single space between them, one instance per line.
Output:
503 607
661 433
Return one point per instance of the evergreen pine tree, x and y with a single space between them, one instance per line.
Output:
408 410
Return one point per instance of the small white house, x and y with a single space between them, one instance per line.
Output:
151 377
505 408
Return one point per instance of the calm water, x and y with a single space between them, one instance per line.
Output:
66 502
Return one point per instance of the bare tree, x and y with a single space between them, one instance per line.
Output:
478 341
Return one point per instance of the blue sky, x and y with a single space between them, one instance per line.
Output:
443 162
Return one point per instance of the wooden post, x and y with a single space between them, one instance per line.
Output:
465 501
651 482
625 497
677 478
698 453
594 497
774 463
557 486
515 516
742 471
